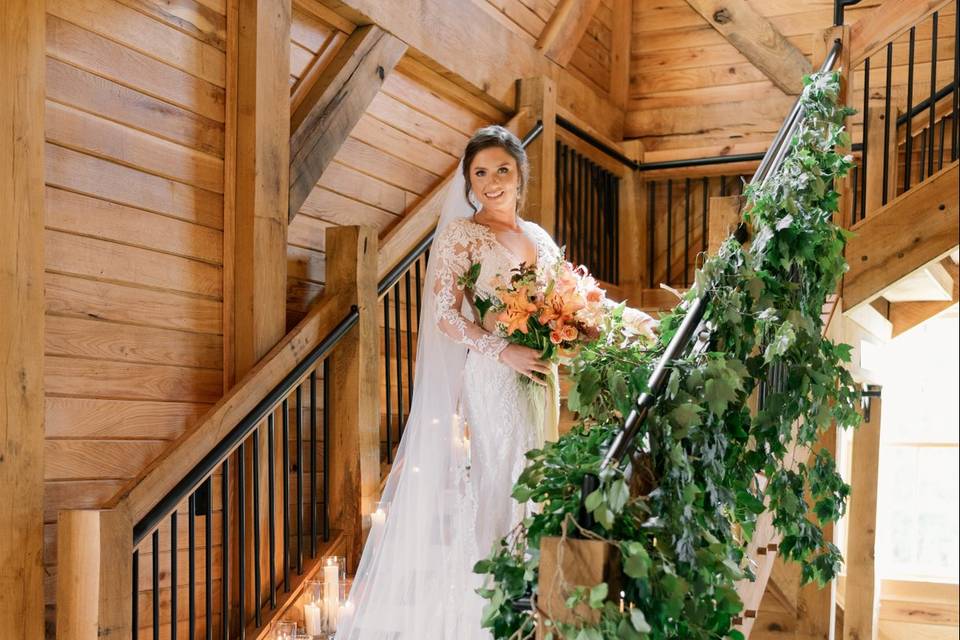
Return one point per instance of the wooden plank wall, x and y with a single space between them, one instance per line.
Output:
590 62
134 241
692 94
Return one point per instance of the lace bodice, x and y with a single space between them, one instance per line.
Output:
461 244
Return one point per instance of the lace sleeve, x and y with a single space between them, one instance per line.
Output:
453 260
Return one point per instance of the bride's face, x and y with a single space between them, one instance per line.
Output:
494 179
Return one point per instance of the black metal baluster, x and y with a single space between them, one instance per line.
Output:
582 213
255 477
208 558
608 218
669 229
313 463
386 377
173 575
943 140
703 215
399 362
135 596
933 92
192 565
225 549
909 137
298 428
866 136
419 288
855 181
652 230
594 216
272 507
887 114
562 204
285 429
155 582
686 234
557 221
616 227
406 301
326 449
923 155
241 539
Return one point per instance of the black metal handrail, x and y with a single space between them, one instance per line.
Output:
595 142
625 439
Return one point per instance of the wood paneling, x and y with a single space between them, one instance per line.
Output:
135 176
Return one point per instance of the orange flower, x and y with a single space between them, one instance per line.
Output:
569 333
518 310
556 337
560 305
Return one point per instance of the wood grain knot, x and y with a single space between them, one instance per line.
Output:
722 16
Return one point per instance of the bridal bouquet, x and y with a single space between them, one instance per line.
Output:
556 318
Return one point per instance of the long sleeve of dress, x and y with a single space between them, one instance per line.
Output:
453 260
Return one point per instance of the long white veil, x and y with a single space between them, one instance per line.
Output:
415 579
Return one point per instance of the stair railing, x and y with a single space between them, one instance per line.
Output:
692 326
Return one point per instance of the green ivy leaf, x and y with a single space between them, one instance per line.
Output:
639 621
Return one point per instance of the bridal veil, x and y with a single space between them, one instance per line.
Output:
415 579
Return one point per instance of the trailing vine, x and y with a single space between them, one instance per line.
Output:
682 521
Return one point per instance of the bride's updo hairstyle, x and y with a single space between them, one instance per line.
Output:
497 136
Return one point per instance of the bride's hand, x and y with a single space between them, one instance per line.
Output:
526 362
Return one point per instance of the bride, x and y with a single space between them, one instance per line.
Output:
472 417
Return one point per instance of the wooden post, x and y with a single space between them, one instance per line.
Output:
822 43
632 235
816 607
862 603
22 76
723 219
355 399
537 100
94 562
262 173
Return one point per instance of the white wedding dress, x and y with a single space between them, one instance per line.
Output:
449 498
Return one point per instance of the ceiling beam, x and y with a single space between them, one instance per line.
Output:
452 38
563 32
758 40
334 104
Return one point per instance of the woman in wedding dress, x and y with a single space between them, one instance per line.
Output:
472 419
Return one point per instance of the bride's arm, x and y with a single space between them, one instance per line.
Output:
453 260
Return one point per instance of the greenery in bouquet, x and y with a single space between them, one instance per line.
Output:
682 520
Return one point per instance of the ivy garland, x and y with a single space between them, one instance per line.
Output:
683 520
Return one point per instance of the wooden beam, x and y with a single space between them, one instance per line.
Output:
562 33
632 234
906 315
537 101
438 33
262 136
862 599
885 23
918 227
94 562
354 408
334 105
758 40
22 76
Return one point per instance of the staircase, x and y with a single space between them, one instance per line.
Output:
222 533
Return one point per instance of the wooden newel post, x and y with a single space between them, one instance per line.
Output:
724 216
354 392
566 563
822 43
94 562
